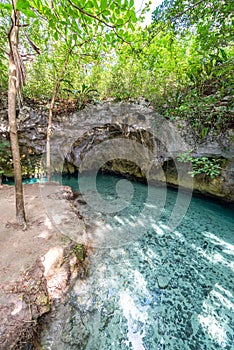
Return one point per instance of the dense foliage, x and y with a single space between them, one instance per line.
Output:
182 62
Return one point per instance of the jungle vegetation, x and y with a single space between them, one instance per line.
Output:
87 51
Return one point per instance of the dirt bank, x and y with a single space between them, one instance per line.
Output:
37 265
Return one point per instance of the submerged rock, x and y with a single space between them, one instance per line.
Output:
163 281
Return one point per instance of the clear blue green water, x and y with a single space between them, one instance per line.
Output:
158 290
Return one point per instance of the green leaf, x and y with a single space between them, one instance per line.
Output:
95 4
104 4
52 24
106 13
29 13
223 54
56 35
131 26
121 32
119 22
89 5
133 17
22 4
5 6
112 6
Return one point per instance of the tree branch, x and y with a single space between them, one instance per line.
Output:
120 37
101 21
90 15
35 48
189 9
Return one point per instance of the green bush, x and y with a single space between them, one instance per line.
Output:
203 165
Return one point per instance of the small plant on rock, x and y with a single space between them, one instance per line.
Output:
79 251
201 165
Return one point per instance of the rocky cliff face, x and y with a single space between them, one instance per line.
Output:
127 138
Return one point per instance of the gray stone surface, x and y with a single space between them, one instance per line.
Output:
126 138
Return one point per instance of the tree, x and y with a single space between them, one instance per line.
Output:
67 18
80 23
16 82
208 27
211 20
51 107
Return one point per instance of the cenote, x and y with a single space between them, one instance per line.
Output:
157 289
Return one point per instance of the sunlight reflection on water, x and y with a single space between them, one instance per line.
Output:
164 290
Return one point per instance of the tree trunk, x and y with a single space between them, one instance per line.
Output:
49 127
12 93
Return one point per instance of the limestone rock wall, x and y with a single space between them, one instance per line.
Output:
127 138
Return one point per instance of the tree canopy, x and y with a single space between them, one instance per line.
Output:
182 62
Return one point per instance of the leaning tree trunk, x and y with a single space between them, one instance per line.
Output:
49 127
13 87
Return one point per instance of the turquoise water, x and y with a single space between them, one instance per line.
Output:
159 289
